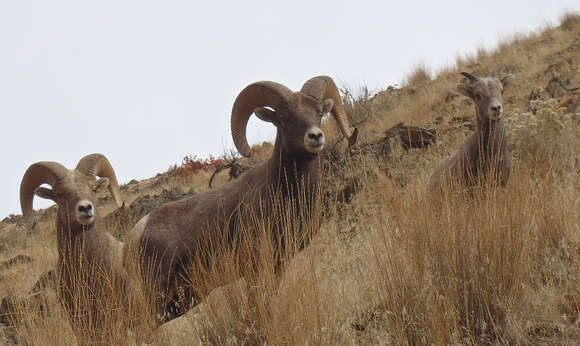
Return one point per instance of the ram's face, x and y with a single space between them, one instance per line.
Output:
487 94
488 98
299 122
75 196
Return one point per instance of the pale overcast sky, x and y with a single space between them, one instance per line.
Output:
148 82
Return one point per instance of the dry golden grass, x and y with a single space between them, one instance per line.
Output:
419 75
397 266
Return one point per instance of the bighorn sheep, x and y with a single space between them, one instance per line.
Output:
89 268
174 233
485 154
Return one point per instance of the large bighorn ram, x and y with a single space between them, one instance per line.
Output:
89 268
485 154
171 235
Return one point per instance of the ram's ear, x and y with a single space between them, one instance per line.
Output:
327 105
266 114
507 80
45 193
465 88
101 185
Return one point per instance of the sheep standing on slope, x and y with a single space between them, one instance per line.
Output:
89 268
485 154
171 235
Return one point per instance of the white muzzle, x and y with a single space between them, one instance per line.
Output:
314 139
85 212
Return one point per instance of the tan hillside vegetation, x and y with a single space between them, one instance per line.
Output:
390 263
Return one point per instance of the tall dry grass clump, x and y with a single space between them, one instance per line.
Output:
449 271
569 19
42 318
261 297
460 267
420 74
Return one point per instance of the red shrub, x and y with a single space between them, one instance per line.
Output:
192 164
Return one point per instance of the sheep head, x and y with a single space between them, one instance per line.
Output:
73 190
297 115
486 93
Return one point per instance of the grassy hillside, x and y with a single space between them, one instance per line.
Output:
390 264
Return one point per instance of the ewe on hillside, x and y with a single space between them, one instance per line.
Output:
89 269
172 236
485 154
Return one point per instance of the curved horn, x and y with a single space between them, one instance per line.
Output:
469 76
323 87
496 71
98 165
255 95
44 172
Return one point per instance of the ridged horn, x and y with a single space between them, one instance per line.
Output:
496 71
323 87
98 165
259 94
43 172
469 76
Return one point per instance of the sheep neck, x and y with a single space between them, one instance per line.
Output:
72 239
487 146
289 169
490 135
